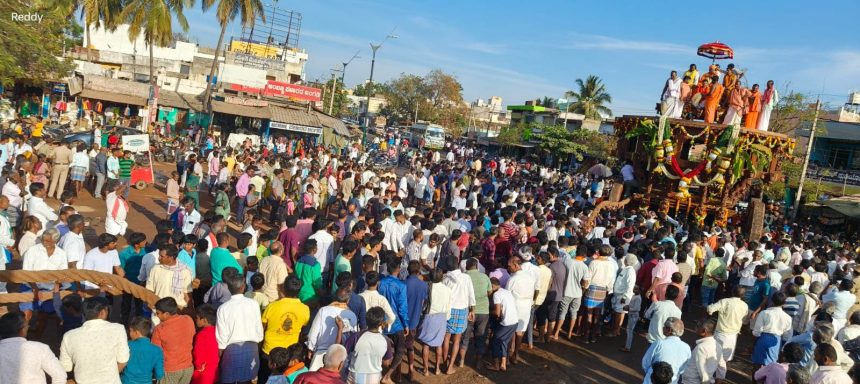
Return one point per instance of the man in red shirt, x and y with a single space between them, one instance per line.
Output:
175 336
330 373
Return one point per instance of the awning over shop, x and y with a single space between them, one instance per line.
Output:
335 124
241 110
112 97
180 100
846 205
295 116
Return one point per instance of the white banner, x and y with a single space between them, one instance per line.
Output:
295 128
135 143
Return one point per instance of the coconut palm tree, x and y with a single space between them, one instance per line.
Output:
94 13
591 99
226 11
154 19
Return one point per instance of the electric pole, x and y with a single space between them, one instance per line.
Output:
806 161
333 90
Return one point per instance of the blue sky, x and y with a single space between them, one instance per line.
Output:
523 50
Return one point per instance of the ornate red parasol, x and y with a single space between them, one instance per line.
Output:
716 51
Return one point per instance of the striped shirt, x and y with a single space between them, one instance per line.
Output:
125 167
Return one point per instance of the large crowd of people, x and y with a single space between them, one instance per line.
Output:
340 272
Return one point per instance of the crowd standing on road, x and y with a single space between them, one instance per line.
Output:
364 272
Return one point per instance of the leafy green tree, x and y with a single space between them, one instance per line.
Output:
558 140
374 89
793 111
226 11
340 107
403 95
548 102
95 13
591 99
510 135
154 20
29 52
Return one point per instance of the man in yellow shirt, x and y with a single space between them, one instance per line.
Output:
230 159
692 74
284 319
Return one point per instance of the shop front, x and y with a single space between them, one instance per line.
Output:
232 117
293 130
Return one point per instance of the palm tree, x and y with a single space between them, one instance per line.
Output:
225 12
154 19
98 13
591 99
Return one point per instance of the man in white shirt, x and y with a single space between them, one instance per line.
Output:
523 285
770 327
97 351
73 241
462 305
25 361
707 363
36 206
659 311
372 297
188 216
103 259
505 310
238 329
420 186
325 245
370 349
324 330
459 201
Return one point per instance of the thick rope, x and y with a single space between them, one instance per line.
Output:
112 284
589 223
26 297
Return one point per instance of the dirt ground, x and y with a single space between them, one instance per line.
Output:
560 362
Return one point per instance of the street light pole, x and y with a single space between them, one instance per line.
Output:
374 48
343 70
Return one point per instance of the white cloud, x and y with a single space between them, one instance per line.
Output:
608 43
487 48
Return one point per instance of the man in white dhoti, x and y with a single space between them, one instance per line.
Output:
117 211
671 106
768 101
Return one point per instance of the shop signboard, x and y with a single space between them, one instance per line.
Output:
830 175
135 143
295 128
282 89
246 102
59 88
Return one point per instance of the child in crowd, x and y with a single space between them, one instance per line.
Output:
71 311
257 282
67 199
252 264
173 192
146 360
205 354
188 254
632 309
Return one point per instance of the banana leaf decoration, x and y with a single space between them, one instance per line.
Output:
763 157
738 166
645 128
